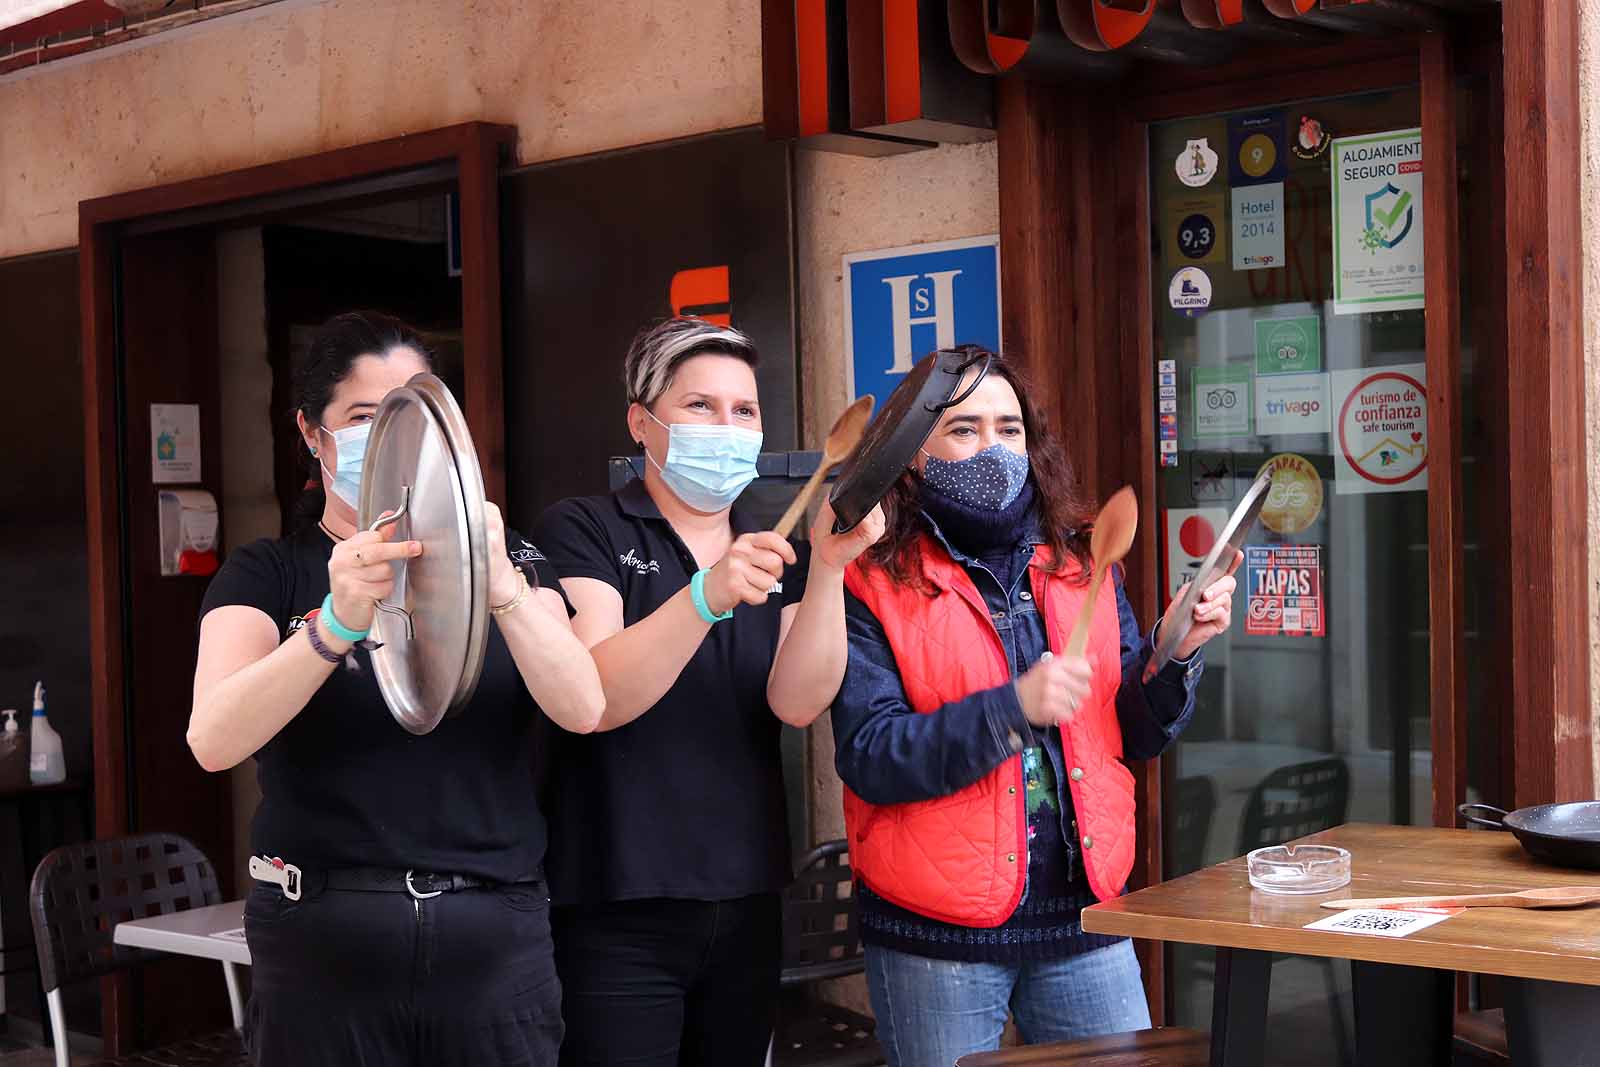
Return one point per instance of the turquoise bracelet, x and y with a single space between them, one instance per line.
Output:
697 593
337 628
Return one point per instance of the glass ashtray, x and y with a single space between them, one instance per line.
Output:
1299 869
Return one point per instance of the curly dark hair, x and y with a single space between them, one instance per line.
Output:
1065 513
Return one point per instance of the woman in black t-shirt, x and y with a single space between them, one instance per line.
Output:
669 841
418 929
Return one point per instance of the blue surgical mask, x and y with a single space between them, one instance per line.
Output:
992 479
351 445
708 467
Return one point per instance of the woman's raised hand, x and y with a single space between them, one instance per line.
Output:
360 574
749 573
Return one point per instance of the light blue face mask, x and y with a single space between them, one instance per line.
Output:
708 467
351 445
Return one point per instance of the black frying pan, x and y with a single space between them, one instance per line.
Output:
901 427
1564 835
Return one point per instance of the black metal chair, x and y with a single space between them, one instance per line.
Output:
821 941
80 893
1292 802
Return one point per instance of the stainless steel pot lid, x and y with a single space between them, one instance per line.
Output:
433 629
1180 620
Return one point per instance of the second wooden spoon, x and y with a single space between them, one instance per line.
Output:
842 439
1562 897
1113 534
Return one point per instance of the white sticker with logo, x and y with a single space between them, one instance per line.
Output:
1292 403
1196 165
1190 291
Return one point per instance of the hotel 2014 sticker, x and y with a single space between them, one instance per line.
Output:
1381 430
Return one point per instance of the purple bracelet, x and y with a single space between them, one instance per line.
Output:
316 643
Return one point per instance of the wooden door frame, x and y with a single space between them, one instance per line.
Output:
468 152
1053 191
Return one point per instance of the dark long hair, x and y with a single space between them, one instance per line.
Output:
1065 513
326 361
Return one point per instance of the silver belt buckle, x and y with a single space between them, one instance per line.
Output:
273 871
420 896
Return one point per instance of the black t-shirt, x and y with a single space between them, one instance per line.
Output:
687 800
344 785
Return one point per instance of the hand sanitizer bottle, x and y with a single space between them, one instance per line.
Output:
46 763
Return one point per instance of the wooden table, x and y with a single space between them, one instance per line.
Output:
209 933
1404 987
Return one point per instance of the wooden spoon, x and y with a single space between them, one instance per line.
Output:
842 440
1563 897
1113 534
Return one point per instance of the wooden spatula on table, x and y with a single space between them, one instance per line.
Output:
1113 534
1563 897
842 440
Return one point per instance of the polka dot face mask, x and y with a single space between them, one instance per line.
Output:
991 479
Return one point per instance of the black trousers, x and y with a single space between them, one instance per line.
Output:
664 983
383 980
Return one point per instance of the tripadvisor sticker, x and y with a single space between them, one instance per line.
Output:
1295 499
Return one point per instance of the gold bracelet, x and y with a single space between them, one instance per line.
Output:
516 601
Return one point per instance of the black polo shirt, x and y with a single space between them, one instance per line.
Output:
687 800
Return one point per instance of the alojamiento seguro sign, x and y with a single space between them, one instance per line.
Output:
1377 222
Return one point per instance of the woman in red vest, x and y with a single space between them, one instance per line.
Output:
986 797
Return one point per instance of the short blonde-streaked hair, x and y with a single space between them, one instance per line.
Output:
658 351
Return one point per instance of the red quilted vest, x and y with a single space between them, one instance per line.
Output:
963 858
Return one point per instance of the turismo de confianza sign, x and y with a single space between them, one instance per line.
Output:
902 303
1377 222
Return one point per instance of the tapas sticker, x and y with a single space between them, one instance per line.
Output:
1381 429
1284 584
1295 499
1190 291
1196 165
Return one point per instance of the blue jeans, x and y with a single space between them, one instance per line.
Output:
932 1011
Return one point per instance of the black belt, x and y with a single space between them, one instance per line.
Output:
417 883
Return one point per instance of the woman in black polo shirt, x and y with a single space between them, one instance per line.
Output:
669 842
421 930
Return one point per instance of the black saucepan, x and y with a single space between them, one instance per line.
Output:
901 427
1565 835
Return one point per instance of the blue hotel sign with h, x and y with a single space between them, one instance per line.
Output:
902 303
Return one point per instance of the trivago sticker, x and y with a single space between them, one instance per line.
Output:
1381 429
1190 291
1291 403
1295 499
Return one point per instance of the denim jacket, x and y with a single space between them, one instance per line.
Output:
889 754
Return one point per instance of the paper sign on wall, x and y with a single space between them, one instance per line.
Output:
1284 587
1221 402
1190 534
174 443
1377 222
1381 429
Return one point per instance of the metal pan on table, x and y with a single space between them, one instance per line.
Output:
1563 835
1180 620
901 427
422 477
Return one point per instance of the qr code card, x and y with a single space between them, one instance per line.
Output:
1382 922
